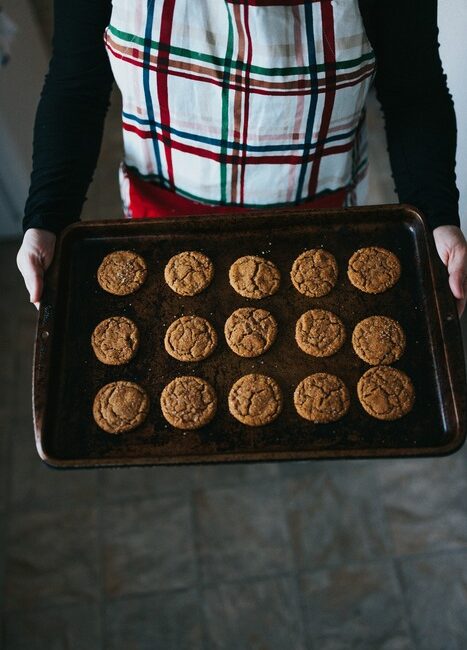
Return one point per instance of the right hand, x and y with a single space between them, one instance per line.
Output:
34 258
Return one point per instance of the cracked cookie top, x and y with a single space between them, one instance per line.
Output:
254 277
374 269
121 272
321 397
249 332
255 400
378 340
120 406
386 393
190 338
115 340
188 402
314 272
189 273
319 332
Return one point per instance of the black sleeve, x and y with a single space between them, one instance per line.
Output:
70 116
418 109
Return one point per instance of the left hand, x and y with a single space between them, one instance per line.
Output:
452 248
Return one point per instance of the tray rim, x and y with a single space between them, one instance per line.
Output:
449 329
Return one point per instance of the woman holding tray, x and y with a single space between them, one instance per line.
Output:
229 105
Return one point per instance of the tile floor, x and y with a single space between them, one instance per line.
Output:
277 556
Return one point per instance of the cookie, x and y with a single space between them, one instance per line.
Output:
190 338
378 340
314 272
188 402
255 400
386 393
115 340
254 277
120 406
321 397
121 272
319 333
249 332
374 269
188 273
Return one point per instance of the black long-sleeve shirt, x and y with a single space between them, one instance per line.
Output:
410 84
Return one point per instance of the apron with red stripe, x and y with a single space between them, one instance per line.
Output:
230 104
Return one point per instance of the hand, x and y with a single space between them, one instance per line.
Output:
34 258
452 248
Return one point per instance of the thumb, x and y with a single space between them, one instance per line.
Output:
33 273
456 282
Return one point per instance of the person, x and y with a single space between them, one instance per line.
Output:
230 105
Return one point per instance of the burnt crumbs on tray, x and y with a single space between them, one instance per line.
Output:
255 399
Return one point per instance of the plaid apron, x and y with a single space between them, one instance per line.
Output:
231 103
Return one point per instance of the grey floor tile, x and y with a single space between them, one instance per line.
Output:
34 485
255 615
52 558
60 628
425 504
355 607
165 621
148 546
241 532
334 516
436 596
226 474
119 484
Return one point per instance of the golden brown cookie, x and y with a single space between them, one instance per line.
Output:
374 269
321 397
188 273
254 277
120 406
188 402
378 340
319 332
385 392
190 338
255 400
122 272
314 272
249 332
115 340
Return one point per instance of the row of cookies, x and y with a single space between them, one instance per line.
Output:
189 402
249 332
314 273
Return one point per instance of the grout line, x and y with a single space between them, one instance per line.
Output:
405 602
198 580
100 561
295 573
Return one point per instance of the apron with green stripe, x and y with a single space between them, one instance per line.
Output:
242 103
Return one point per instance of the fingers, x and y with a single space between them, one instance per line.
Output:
457 283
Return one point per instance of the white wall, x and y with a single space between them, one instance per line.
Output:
20 85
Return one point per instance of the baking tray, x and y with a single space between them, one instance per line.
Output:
67 375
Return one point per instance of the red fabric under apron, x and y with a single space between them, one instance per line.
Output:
148 200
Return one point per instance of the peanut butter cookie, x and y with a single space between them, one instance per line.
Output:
249 332
120 406
188 273
321 397
188 402
314 272
254 277
378 340
386 393
255 400
122 272
115 340
374 269
190 338
319 333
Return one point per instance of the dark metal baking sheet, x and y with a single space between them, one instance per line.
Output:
67 375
